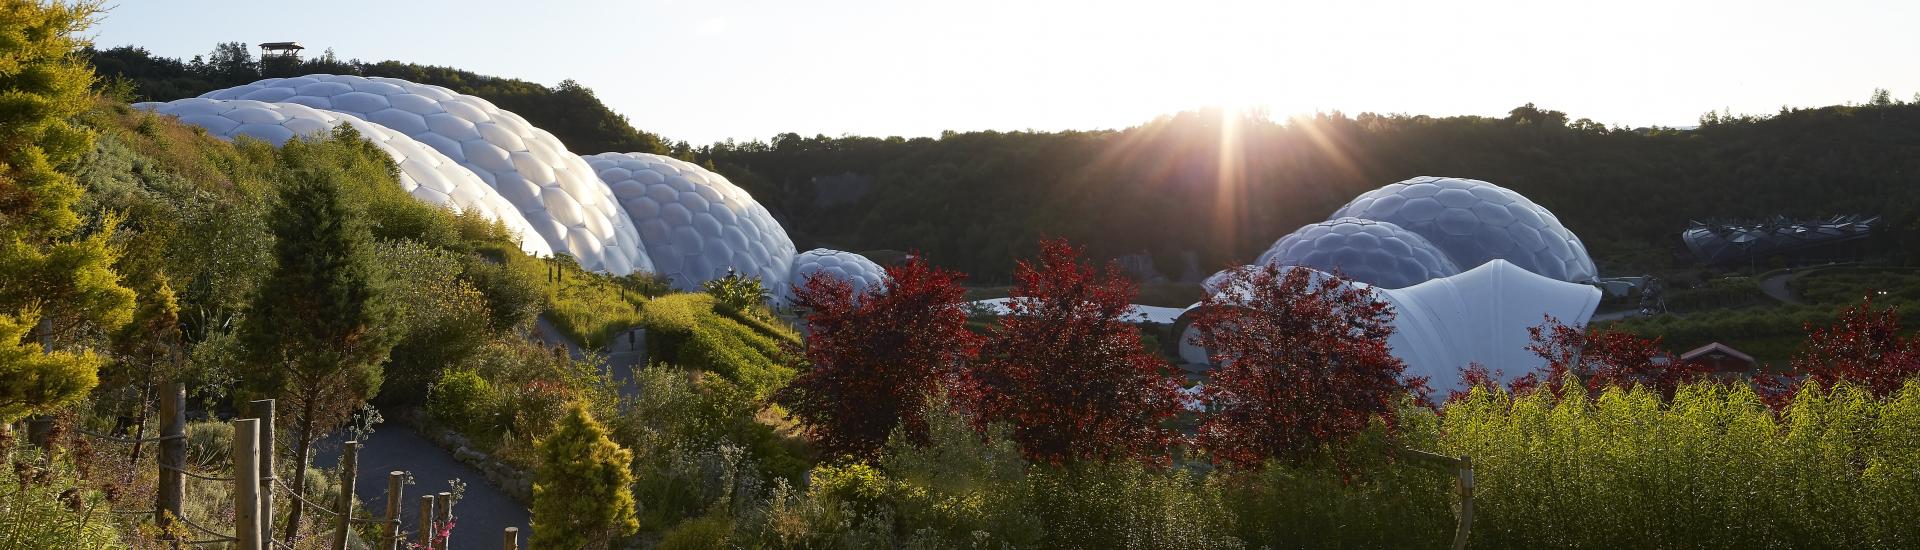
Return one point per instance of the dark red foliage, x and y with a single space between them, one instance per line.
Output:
1476 375
1603 358
876 356
1303 362
1067 373
1864 346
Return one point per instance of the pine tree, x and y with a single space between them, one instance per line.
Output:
53 283
319 328
583 496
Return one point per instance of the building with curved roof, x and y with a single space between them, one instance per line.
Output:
695 224
424 172
1474 222
1373 252
855 269
553 189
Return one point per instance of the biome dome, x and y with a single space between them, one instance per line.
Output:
1474 221
1481 315
855 269
424 172
695 224
1377 253
553 189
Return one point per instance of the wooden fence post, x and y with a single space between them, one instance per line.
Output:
246 483
443 516
172 457
263 411
349 477
390 529
510 539
1463 482
426 521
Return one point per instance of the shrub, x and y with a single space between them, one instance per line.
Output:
686 330
876 357
461 398
740 292
698 534
44 504
1304 364
582 497
1068 372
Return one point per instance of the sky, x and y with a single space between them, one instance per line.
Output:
704 71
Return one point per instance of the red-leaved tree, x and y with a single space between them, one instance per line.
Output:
1602 358
1067 372
1863 346
876 356
1303 361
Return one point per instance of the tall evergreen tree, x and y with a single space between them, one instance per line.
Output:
583 496
53 282
319 329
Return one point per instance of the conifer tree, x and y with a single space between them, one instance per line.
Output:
319 327
53 282
582 496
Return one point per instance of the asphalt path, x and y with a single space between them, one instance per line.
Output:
479 516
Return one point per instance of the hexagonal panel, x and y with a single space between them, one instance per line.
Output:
683 212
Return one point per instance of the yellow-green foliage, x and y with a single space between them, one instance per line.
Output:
47 275
1712 469
589 308
32 382
686 330
582 494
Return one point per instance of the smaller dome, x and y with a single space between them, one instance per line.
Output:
1377 253
855 269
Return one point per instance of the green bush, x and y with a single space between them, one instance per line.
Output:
461 399
740 292
698 534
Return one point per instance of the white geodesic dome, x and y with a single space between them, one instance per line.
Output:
554 190
695 224
1373 252
424 172
855 269
1474 221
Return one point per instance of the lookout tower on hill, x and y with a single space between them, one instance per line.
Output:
280 49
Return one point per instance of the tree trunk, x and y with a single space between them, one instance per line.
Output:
301 446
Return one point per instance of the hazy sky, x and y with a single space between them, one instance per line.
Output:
704 71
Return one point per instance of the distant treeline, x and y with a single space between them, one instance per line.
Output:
570 111
1224 186
1216 186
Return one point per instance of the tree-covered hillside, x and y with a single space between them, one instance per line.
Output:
1224 186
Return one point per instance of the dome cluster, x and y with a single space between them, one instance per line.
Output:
616 213
1473 222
